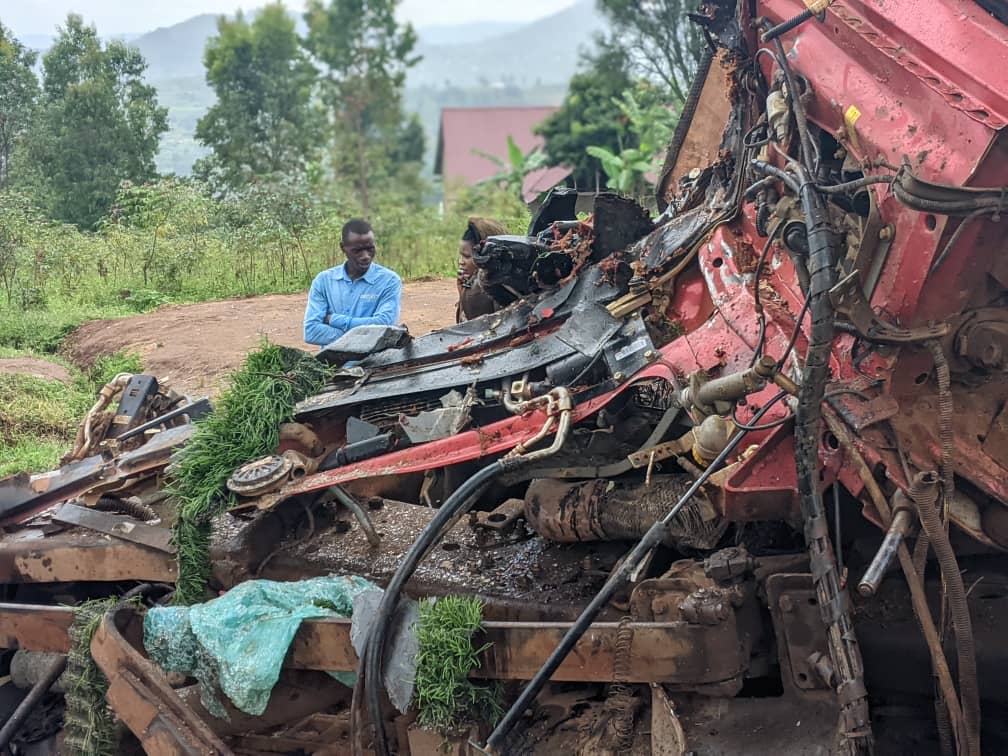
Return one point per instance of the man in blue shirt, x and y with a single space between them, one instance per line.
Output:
358 292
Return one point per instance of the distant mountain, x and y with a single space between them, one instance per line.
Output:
177 51
462 34
465 55
544 52
487 64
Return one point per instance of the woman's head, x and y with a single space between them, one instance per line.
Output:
477 231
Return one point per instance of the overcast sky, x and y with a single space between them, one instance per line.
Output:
132 16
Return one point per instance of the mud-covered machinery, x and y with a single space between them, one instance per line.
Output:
739 470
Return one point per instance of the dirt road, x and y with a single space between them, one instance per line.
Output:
193 347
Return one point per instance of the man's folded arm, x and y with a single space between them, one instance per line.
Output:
316 331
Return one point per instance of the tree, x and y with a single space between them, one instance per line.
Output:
364 54
19 90
661 41
100 123
588 115
264 121
649 126
513 171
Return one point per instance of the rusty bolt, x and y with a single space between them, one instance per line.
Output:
660 606
618 377
649 355
886 232
786 604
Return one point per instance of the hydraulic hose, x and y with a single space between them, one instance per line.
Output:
854 185
651 539
458 503
20 714
924 493
371 659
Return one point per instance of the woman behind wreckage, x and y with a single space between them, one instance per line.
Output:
473 300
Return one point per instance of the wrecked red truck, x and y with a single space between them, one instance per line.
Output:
728 479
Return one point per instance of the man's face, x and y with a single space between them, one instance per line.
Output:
360 251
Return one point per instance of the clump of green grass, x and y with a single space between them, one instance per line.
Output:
244 426
30 455
89 727
36 330
39 408
445 696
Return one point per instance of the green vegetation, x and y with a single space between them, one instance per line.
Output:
364 54
18 93
515 169
264 121
39 417
445 696
116 125
244 426
659 39
648 124
588 116
89 725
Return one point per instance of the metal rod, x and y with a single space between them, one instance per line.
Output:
359 512
17 719
887 552
836 526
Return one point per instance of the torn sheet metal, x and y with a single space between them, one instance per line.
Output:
452 417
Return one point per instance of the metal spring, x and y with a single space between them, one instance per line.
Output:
621 699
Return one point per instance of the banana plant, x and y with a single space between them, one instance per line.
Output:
649 127
512 173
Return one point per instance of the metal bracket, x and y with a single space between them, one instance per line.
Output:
848 300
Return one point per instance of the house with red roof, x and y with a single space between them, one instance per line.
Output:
466 132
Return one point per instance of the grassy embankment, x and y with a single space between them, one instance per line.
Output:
54 277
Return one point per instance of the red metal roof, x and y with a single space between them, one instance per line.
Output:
464 131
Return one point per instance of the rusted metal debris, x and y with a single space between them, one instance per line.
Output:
690 431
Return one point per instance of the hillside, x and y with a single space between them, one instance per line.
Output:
485 64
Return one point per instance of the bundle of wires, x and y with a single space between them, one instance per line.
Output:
244 426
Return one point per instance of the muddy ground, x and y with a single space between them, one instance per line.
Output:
37 368
193 347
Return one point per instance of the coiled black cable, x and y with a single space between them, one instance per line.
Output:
371 660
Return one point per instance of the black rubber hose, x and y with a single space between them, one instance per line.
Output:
789 180
651 539
371 660
785 26
946 207
850 186
924 492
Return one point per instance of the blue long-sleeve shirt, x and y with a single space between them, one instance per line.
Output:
373 299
